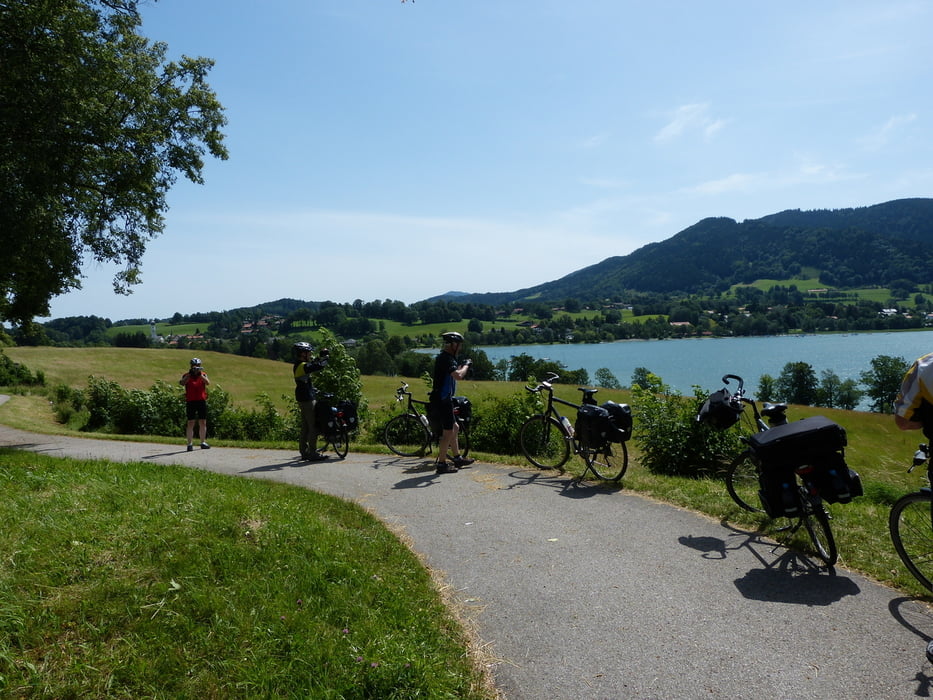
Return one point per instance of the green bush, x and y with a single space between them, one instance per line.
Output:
496 422
15 374
669 437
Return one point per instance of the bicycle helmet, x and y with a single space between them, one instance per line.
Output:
452 337
195 361
301 347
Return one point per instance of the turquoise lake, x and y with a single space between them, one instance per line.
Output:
703 361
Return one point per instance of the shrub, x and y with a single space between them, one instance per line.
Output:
670 438
15 374
496 422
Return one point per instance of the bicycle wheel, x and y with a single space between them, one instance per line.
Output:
816 521
406 436
742 483
911 526
463 439
341 442
543 442
608 461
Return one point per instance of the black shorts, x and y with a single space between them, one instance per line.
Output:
196 409
444 413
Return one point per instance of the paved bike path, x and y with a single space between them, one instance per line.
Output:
585 592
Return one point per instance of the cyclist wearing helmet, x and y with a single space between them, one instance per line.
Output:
305 396
447 370
195 382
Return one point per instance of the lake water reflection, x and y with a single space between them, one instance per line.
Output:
703 361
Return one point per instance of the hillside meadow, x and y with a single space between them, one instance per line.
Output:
876 448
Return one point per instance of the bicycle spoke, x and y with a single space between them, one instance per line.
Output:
543 442
406 436
912 535
609 461
742 483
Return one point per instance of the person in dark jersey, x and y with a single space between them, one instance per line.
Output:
447 371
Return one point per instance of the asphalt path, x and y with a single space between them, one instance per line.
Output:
583 591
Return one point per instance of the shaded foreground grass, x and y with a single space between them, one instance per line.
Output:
130 580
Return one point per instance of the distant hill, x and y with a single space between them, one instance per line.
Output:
864 246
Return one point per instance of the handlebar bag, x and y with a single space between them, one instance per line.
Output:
720 411
802 442
620 416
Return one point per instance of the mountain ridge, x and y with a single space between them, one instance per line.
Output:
871 245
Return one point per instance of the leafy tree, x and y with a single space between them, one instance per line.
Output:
883 381
95 127
642 377
836 393
605 378
766 388
797 384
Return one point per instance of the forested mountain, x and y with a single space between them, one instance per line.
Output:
864 246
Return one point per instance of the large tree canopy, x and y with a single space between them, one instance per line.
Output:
95 126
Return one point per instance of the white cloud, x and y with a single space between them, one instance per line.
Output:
690 118
891 129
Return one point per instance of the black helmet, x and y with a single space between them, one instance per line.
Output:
452 337
301 347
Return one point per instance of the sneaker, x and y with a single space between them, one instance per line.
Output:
444 468
317 457
190 448
205 446
461 462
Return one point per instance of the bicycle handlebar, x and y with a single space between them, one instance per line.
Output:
737 378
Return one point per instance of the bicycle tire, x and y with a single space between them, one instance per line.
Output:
816 521
911 530
463 439
406 436
742 482
544 443
341 442
609 461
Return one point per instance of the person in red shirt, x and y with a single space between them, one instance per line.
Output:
195 382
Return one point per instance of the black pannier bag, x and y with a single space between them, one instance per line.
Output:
801 442
323 415
462 408
720 411
778 493
593 424
814 447
350 415
831 477
620 415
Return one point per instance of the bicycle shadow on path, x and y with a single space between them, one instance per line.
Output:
790 578
563 484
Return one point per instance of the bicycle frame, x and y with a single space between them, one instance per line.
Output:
551 410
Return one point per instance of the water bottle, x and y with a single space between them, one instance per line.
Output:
788 499
568 426
424 420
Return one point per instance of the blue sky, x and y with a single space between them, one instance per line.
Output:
388 150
